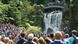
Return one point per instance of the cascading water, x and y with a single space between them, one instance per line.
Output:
53 21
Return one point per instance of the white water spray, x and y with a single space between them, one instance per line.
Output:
53 21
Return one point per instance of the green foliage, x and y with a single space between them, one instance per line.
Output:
29 13
3 8
34 29
21 13
74 18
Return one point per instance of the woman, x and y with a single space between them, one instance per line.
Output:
7 40
47 41
35 40
57 38
41 40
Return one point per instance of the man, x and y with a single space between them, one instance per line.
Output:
30 37
73 38
66 39
22 39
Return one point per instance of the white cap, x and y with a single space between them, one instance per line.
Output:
30 36
74 31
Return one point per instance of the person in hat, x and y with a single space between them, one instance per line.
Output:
30 37
73 38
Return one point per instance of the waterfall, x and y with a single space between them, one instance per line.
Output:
53 21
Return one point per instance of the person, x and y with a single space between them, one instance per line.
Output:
50 37
11 40
7 40
66 36
47 41
35 40
64 40
41 40
73 38
1 42
30 37
22 38
57 38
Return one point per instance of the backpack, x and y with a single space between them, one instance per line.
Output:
75 40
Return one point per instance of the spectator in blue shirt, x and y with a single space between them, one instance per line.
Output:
73 38
57 38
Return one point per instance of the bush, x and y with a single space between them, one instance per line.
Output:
34 29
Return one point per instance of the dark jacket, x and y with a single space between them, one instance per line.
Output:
21 41
29 41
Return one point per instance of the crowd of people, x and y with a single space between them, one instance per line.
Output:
58 37
10 35
8 31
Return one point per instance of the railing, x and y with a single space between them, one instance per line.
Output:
55 5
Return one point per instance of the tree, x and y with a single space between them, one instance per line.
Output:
21 12
74 9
